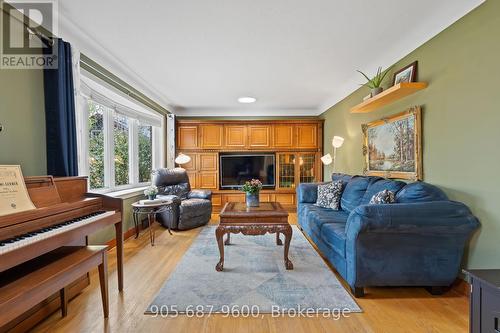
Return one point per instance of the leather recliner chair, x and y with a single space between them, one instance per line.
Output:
192 208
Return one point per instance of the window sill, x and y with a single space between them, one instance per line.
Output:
128 193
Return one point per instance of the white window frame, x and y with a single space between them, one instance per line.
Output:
135 116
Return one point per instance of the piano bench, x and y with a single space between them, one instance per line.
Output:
28 284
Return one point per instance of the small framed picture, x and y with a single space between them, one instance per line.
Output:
406 74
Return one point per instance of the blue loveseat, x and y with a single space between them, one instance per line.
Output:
417 241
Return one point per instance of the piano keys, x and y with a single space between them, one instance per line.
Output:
65 215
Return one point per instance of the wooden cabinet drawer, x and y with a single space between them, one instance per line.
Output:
266 197
187 137
207 162
234 197
285 198
207 180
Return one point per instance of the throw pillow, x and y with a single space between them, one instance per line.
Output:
383 197
324 196
337 188
329 195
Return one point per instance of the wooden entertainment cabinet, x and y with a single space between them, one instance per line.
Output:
297 144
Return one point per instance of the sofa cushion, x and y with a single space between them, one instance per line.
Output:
354 192
377 185
420 192
342 177
334 235
318 219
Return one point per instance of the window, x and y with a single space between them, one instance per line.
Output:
120 142
145 153
96 145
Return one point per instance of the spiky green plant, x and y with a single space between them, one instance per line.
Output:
376 81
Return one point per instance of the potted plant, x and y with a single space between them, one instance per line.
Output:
375 83
252 189
151 192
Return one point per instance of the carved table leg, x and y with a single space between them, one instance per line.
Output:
288 238
219 235
137 220
151 220
227 242
278 240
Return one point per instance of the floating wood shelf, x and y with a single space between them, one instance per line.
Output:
389 96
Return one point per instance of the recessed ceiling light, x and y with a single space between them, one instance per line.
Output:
247 100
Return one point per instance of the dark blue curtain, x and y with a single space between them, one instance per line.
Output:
62 159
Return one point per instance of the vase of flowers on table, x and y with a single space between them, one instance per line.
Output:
252 189
151 192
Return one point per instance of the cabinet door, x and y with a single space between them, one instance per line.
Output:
259 136
235 136
211 136
193 179
283 136
217 199
307 136
187 137
286 170
207 180
207 162
308 168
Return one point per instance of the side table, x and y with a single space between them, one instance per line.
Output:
150 210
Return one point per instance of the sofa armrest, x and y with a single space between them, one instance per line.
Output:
420 218
200 194
308 192
175 199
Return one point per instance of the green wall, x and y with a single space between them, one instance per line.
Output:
461 119
22 114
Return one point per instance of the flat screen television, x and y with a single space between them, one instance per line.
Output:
236 169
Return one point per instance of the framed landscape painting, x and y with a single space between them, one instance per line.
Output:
393 147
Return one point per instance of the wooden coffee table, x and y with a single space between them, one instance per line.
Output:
269 217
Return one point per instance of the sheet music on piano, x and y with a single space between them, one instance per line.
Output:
13 192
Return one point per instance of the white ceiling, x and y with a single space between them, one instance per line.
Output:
297 57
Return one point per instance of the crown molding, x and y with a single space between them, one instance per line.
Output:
245 112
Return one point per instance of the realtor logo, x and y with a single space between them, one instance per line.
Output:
24 29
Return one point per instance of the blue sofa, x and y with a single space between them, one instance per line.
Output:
417 241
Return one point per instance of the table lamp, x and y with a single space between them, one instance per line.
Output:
182 159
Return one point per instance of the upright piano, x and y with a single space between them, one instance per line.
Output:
65 215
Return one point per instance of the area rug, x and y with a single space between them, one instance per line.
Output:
254 275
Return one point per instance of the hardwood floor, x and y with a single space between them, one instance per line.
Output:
391 310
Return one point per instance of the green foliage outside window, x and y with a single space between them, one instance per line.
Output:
96 145
145 153
120 136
